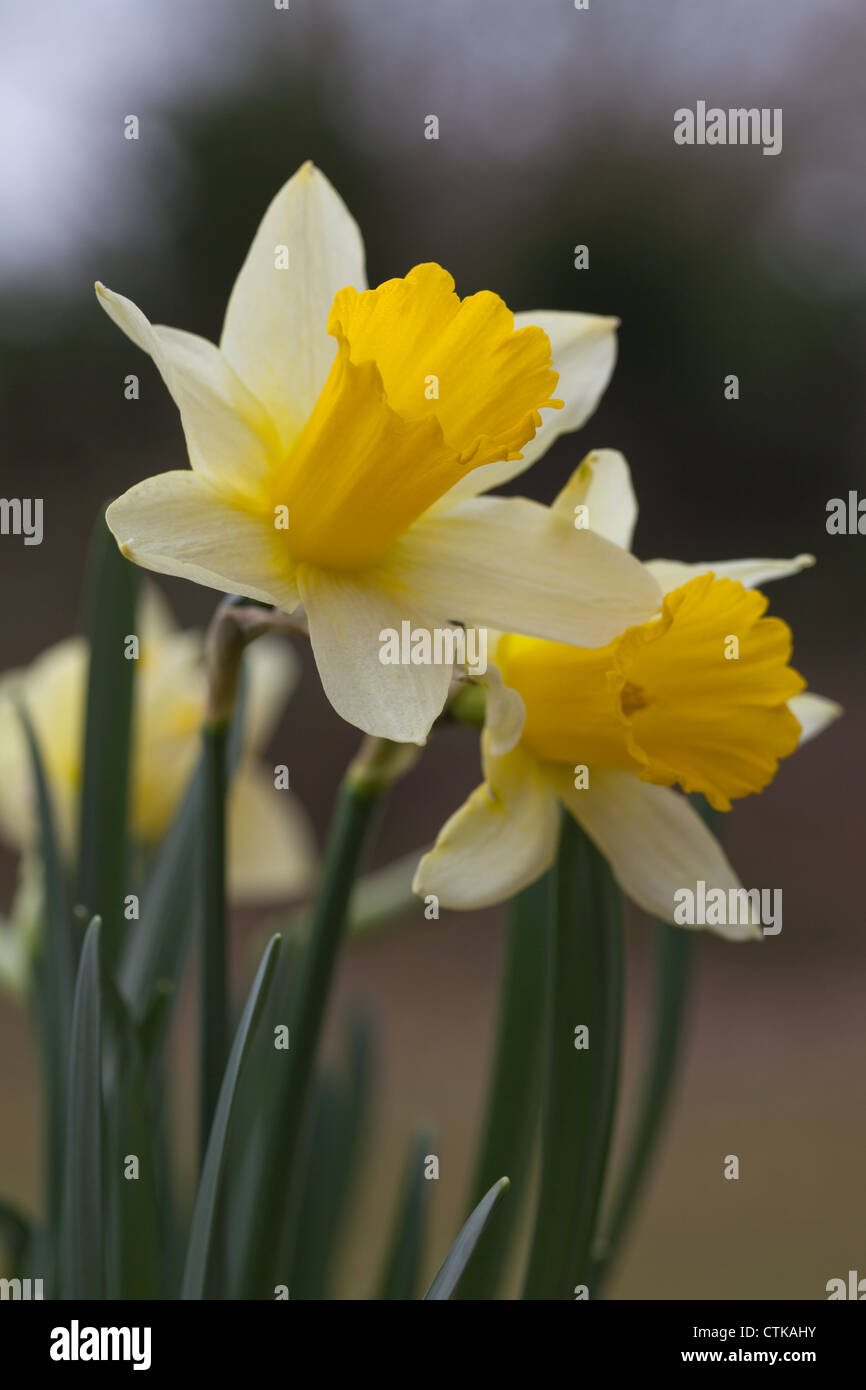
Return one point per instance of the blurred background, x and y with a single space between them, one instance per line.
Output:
556 129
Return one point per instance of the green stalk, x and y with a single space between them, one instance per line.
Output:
213 1019
674 962
585 989
112 588
367 779
511 1121
674 966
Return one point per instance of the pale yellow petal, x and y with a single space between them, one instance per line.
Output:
231 439
814 713
275 332
504 714
501 839
175 523
52 690
672 574
512 564
654 840
347 614
271 853
602 489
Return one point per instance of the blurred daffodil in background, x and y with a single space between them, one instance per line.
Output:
270 845
339 441
701 696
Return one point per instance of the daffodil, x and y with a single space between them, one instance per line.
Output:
270 845
340 439
701 697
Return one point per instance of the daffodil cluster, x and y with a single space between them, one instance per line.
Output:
343 444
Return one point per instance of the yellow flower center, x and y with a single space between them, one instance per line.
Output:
697 696
424 386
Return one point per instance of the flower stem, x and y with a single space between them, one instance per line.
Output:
674 961
213 1016
369 776
511 1122
585 992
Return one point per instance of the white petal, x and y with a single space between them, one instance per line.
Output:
504 713
275 332
175 523
270 843
501 839
602 484
230 437
584 353
654 840
813 713
670 574
508 563
347 612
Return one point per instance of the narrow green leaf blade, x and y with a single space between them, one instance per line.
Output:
586 991
455 1262
82 1262
675 954
112 588
282 1124
513 1105
211 913
55 988
331 1161
402 1266
195 1273
134 1232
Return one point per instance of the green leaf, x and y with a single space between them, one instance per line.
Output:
674 951
455 1262
211 905
82 1258
330 1168
157 947
281 1124
134 1231
55 988
201 1231
513 1104
675 948
586 990
112 586
402 1268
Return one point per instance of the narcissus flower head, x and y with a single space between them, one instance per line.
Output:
270 845
701 697
340 439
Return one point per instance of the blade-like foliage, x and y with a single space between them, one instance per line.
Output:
110 611
204 1215
82 1250
455 1261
